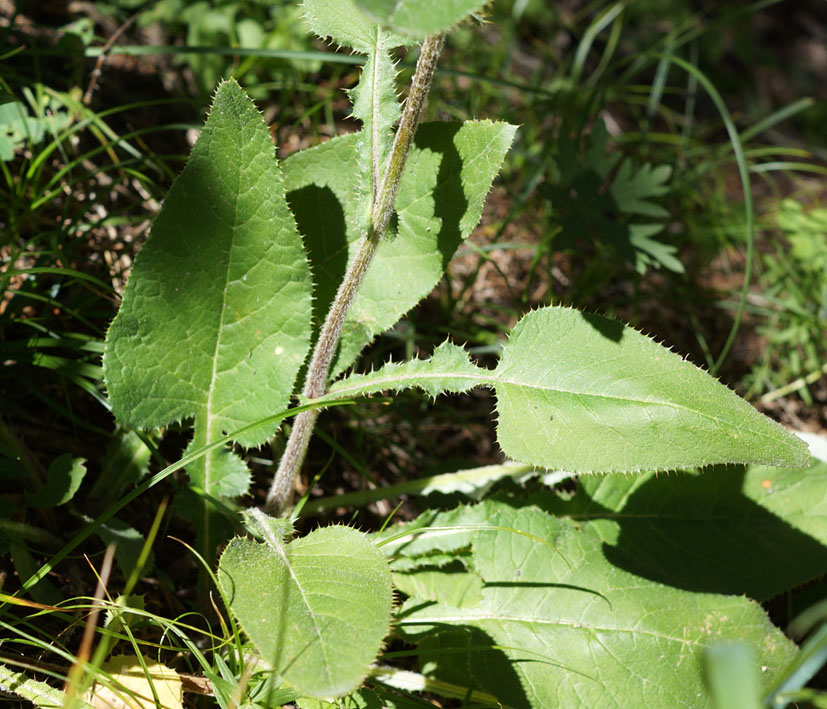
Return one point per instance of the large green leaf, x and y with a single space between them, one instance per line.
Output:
566 628
735 527
215 319
317 608
585 394
419 18
448 174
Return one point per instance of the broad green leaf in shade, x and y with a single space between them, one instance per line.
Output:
567 628
419 18
128 543
585 394
215 319
448 174
735 526
317 608
44 591
125 462
593 202
65 476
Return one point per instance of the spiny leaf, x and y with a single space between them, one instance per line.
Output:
125 462
375 103
566 628
583 393
215 319
586 394
448 174
317 608
448 370
341 21
419 18
443 189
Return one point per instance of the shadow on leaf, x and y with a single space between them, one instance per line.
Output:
702 533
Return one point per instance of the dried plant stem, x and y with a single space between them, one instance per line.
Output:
281 491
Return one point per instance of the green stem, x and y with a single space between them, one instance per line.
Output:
281 491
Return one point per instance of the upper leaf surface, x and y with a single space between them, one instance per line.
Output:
419 18
448 174
582 393
573 629
586 394
215 320
317 608
342 21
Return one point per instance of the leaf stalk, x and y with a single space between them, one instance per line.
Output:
280 494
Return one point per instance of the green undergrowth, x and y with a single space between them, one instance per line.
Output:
511 497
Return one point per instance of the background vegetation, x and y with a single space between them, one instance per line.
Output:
642 124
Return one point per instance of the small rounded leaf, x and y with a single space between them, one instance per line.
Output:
317 608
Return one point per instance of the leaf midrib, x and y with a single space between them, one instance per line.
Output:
410 380
576 625
275 544
208 412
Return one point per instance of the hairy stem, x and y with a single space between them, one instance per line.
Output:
281 491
